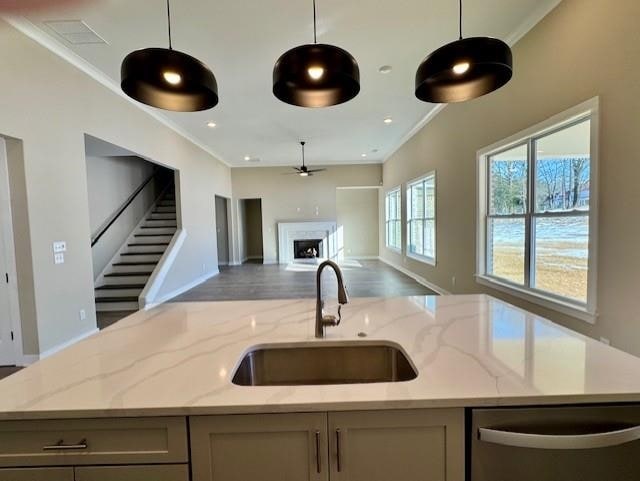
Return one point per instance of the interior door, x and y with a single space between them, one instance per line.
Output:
412 445
7 353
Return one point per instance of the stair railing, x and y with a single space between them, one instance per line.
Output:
114 217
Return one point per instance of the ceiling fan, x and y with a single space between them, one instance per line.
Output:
303 170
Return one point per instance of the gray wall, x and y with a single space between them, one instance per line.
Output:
582 49
51 119
294 198
357 216
110 182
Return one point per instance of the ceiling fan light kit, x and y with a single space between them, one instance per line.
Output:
316 75
169 79
303 170
465 69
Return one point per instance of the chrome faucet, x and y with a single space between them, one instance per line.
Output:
323 320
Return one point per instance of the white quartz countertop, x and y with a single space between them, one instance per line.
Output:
179 359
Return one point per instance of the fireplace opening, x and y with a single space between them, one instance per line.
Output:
307 248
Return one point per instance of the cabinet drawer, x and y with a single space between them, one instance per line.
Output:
37 474
93 441
176 472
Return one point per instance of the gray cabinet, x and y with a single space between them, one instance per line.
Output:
169 472
37 474
93 441
270 447
411 445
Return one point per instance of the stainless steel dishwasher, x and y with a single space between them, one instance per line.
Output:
591 443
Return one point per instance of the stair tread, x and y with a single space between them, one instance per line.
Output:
150 253
113 287
154 235
117 299
143 263
172 226
149 244
128 274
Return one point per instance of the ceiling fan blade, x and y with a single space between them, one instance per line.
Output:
316 170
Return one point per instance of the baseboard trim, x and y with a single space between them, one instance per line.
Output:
419 279
28 359
70 342
182 289
362 258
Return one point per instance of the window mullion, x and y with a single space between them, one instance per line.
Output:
529 256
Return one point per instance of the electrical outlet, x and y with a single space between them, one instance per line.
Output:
59 246
83 314
58 258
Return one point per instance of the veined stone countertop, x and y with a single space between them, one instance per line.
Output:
178 359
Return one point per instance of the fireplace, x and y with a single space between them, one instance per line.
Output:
307 248
323 234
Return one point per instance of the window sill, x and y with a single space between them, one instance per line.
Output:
395 250
425 260
539 298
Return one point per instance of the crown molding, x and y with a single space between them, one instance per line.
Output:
541 11
27 28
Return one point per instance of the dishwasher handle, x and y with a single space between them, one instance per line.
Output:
551 441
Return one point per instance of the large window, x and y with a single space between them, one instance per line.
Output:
421 218
393 221
537 198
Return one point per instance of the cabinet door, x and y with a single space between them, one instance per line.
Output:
168 472
412 445
269 447
37 474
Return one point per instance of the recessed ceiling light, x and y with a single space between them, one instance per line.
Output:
388 120
247 158
211 124
363 155
385 69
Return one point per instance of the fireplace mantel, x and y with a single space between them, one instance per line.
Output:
292 231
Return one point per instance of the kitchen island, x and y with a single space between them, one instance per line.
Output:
165 376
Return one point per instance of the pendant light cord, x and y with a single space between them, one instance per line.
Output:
460 19
315 33
169 24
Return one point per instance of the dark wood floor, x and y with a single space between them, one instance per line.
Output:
8 370
105 319
364 278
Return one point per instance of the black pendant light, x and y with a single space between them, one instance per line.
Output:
316 75
465 69
168 79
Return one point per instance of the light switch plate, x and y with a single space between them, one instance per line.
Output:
58 258
59 246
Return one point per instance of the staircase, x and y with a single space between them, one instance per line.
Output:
128 276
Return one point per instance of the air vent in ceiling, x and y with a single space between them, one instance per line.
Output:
75 32
254 159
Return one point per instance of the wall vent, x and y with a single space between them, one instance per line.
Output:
75 32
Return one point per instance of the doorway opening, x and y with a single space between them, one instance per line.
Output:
222 230
250 226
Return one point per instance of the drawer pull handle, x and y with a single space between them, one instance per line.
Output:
550 441
60 446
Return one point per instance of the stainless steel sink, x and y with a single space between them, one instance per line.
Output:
313 364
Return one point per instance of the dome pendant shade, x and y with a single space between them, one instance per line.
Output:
169 80
316 75
464 70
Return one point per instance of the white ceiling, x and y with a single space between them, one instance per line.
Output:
240 40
